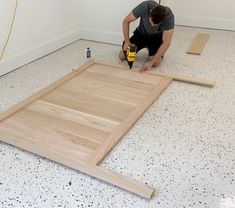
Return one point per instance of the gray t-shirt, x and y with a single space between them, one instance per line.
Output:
145 28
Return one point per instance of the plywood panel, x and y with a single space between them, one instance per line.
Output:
105 89
126 75
73 115
198 44
44 91
90 104
117 80
33 133
65 126
80 118
114 138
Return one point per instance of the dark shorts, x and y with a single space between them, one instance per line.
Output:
141 41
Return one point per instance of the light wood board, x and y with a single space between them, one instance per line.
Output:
175 77
77 120
198 44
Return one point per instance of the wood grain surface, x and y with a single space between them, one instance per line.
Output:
198 44
77 120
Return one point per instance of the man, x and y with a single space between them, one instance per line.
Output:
154 32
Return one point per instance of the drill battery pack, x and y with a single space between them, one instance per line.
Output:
130 54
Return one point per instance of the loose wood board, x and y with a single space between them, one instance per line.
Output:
77 120
198 44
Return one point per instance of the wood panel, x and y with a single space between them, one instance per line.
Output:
129 75
116 135
44 91
198 44
90 104
103 89
77 120
73 115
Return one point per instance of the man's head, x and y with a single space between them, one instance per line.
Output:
157 14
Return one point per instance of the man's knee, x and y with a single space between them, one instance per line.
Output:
121 55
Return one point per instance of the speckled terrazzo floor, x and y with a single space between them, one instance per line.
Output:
184 145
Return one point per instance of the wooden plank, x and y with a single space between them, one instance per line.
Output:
106 69
198 44
17 131
104 89
182 78
127 74
90 104
176 77
123 128
98 172
118 66
101 76
73 115
64 125
44 91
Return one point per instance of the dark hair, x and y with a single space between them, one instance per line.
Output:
157 14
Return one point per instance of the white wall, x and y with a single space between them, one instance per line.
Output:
40 28
102 20
200 13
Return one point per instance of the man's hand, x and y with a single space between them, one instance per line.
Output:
126 44
150 64
146 66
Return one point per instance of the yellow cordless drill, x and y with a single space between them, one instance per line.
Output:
130 54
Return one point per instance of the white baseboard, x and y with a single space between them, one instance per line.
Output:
102 36
29 55
212 23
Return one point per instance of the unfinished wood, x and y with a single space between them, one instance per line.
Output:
129 75
77 120
73 115
198 44
176 77
182 78
90 104
128 184
104 89
72 120
63 125
16 131
109 78
44 91
81 153
114 138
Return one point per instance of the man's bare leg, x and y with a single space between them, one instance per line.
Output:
122 56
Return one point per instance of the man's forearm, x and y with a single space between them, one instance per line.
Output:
125 27
161 51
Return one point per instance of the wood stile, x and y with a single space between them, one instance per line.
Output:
182 78
175 77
